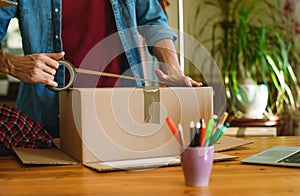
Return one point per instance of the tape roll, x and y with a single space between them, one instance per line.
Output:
72 72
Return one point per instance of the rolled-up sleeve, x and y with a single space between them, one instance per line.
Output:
6 14
152 22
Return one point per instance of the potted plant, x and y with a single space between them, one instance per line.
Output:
254 53
4 84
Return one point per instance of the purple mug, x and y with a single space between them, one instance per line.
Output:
196 164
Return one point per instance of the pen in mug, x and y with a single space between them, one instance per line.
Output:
219 122
181 135
173 128
209 129
223 118
200 131
203 132
220 131
192 133
197 135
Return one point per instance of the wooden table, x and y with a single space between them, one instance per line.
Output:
228 178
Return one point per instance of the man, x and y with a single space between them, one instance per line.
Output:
164 4
53 29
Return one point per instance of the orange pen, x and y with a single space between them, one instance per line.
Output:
173 128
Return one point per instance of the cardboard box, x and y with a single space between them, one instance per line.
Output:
111 129
113 124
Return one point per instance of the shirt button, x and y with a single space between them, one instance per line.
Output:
56 36
56 9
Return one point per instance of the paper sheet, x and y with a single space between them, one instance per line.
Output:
140 164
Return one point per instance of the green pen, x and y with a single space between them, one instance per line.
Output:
209 129
220 131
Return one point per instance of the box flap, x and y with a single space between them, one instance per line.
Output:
5 3
51 156
228 142
54 156
140 164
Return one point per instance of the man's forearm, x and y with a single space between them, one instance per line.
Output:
165 52
4 61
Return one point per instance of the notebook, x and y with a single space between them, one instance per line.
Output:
279 155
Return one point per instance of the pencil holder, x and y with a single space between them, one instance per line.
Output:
196 164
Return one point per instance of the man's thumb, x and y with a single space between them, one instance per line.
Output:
56 56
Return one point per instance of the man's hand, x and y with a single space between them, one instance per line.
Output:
33 68
176 79
172 75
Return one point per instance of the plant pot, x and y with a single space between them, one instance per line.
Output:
4 86
250 101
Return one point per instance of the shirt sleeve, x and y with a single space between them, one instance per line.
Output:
6 14
153 22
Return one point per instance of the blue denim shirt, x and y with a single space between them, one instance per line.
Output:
40 26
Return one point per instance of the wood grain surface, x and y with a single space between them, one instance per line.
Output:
228 178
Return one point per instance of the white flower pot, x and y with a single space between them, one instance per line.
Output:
253 101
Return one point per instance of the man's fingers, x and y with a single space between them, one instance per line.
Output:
50 66
51 83
46 79
48 62
161 76
176 80
56 56
191 83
